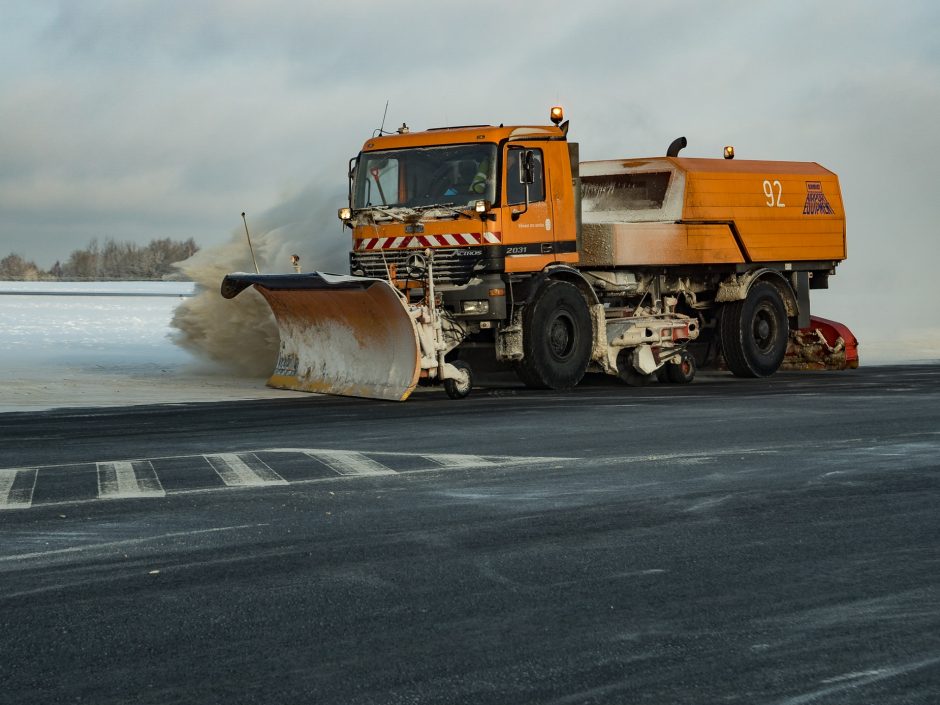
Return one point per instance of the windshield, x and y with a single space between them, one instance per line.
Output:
424 176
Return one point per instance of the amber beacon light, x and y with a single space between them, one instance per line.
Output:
557 114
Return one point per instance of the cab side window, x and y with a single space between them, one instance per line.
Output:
515 189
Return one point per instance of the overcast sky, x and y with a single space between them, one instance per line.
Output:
134 120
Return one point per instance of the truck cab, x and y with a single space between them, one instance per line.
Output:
485 202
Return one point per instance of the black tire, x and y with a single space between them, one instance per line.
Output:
529 379
556 337
754 332
681 373
628 374
459 388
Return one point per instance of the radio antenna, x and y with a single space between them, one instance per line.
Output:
381 130
250 248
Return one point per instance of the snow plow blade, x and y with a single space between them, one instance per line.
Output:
824 345
344 335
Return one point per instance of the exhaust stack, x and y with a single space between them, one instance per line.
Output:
677 145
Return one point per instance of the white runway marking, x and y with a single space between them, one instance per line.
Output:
126 479
348 462
243 470
21 498
6 484
460 461
140 477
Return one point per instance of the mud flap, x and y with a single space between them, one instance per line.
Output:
344 335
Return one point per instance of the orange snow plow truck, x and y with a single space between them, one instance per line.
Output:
497 241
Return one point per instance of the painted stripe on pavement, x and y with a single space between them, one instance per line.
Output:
123 479
459 461
6 484
347 462
20 497
242 470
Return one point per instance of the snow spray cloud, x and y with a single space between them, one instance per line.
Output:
240 334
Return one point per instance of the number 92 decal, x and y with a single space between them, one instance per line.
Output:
773 190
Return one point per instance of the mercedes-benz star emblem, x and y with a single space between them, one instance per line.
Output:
415 263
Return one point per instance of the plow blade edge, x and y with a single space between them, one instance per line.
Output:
343 335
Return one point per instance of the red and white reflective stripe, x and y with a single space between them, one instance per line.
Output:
449 240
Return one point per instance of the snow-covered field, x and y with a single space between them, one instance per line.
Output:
68 344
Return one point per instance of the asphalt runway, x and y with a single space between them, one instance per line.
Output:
737 541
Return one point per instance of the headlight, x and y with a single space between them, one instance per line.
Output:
345 213
476 307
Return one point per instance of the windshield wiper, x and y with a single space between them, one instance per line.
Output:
386 210
444 206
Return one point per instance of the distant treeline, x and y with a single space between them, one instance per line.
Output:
113 260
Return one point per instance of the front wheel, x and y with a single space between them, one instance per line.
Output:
556 337
754 332
460 387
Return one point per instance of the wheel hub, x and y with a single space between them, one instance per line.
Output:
764 330
561 337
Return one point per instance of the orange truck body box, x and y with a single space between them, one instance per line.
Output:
679 211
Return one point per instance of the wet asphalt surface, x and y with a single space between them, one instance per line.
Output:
767 541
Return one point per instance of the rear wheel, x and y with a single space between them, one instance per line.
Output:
754 332
460 387
556 337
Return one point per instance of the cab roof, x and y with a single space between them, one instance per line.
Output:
461 135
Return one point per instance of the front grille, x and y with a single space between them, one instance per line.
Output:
454 266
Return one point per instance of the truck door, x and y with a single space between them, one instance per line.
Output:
528 230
